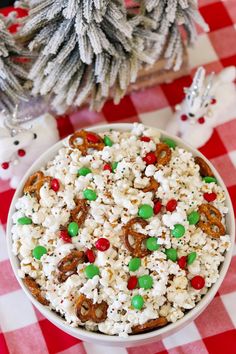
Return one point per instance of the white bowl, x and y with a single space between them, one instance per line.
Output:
138 339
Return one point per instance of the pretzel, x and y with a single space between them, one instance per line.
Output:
80 212
205 170
34 288
163 154
151 324
213 217
152 187
35 182
68 265
86 310
85 144
136 250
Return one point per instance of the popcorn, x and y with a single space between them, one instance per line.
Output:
119 196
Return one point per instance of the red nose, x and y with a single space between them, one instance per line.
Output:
5 165
21 152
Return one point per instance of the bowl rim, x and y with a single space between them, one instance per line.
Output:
81 332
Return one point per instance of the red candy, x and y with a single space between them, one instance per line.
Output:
210 197
132 283
90 255
150 158
201 120
184 117
55 185
213 101
5 165
182 262
102 244
171 205
65 236
21 152
198 282
157 207
145 138
92 138
107 167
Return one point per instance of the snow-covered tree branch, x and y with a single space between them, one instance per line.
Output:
12 73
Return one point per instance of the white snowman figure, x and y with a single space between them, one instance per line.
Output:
21 145
209 101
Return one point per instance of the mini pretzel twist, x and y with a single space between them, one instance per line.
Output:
35 290
163 154
205 170
151 324
152 187
80 212
35 182
213 217
85 144
136 249
68 265
87 311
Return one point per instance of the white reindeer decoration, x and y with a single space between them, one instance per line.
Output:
208 102
22 144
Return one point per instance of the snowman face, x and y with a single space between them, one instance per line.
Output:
10 145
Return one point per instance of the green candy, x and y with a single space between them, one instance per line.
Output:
39 251
114 165
209 179
193 218
151 244
107 141
90 194
191 257
145 211
171 254
145 282
84 171
171 143
91 270
178 231
24 221
137 302
134 264
73 229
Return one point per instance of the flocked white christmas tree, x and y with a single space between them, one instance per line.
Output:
12 73
94 48
168 17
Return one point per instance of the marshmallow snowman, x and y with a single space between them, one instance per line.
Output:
209 101
21 145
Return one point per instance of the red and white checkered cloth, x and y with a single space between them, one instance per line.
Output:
23 330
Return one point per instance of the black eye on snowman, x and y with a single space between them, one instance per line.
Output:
35 136
16 142
191 114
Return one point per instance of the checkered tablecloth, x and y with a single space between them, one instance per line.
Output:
23 330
